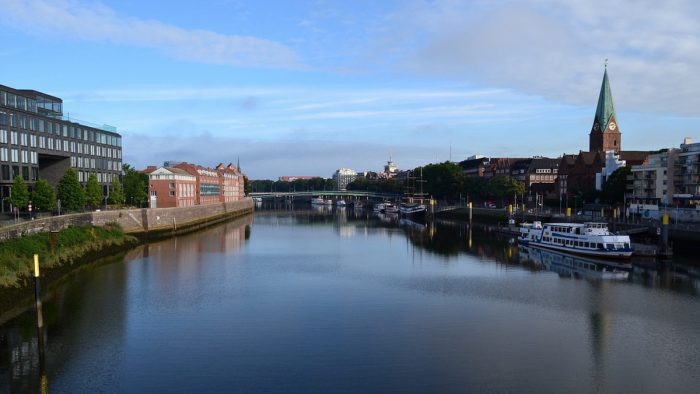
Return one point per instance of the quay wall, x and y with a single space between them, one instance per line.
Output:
139 222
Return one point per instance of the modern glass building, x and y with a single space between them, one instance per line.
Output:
38 141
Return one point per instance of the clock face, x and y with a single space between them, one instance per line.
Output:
613 126
596 126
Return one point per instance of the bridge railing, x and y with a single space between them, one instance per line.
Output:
328 193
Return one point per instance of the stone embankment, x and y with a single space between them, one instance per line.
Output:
139 222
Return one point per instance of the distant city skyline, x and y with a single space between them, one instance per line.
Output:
307 87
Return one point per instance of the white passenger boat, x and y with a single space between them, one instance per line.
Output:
340 203
378 207
591 239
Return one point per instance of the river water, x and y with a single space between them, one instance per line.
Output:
331 301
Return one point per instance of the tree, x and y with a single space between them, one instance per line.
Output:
93 192
19 196
70 192
615 186
442 180
135 186
116 192
43 196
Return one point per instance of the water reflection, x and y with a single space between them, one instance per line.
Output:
451 239
99 306
310 300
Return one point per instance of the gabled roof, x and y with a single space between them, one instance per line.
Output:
633 157
544 162
606 107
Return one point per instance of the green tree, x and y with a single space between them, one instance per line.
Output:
93 192
135 186
442 180
70 192
615 186
116 192
43 196
19 196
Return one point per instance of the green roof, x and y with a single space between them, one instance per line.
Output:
606 107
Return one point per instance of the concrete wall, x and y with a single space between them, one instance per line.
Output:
134 221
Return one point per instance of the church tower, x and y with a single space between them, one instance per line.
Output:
605 134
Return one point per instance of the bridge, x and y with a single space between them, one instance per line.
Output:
351 194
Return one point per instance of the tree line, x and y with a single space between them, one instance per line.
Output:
74 197
446 181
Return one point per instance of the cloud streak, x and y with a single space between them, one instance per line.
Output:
556 49
98 23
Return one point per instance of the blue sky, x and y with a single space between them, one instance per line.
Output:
305 87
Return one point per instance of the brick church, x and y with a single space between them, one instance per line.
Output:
578 172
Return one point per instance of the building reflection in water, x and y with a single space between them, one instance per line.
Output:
99 305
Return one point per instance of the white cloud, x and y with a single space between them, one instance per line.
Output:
556 49
98 23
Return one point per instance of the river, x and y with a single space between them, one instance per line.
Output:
333 301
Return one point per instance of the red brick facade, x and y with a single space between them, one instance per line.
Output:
171 187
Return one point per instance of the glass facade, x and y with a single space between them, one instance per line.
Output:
37 141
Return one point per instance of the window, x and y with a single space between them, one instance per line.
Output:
172 185
13 137
14 153
172 193
3 136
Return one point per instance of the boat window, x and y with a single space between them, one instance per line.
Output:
627 246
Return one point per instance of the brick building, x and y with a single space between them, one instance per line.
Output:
578 173
171 187
187 184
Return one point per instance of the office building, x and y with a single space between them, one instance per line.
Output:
38 141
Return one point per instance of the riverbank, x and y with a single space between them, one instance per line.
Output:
79 243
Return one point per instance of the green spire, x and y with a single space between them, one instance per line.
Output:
606 107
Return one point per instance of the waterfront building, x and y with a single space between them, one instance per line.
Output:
343 177
475 166
542 170
171 187
654 178
230 182
38 141
390 169
188 184
687 172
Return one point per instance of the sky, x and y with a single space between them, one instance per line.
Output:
305 87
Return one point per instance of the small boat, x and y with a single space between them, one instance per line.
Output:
358 205
589 239
378 207
257 199
320 201
340 203
390 208
412 209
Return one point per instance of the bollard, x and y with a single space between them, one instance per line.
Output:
664 232
39 315
470 212
568 212
510 209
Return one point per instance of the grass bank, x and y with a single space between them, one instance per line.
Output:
16 255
